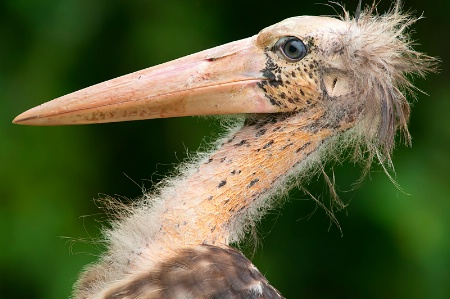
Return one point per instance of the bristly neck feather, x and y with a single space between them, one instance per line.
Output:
217 200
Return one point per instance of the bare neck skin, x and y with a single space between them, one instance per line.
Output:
219 201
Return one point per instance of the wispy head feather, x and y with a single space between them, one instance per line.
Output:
381 58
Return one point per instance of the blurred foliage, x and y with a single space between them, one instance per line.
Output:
395 244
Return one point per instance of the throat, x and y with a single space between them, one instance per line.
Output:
229 191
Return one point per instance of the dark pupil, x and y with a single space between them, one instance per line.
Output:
292 49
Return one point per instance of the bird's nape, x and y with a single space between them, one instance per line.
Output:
311 86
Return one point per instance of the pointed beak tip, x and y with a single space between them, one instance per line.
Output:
19 120
28 117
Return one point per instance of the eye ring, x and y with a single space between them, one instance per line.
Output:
291 48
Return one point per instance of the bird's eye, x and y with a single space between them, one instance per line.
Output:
291 48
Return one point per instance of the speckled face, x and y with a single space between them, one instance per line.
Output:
299 84
291 84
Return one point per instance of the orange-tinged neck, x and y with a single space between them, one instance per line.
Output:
228 192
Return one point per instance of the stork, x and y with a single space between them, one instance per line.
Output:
308 87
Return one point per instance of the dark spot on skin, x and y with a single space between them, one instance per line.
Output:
310 42
268 144
313 128
302 92
271 119
276 129
260 132
308 102
293 74
305 70
274 102
249 122
263 85
287 82
209 161
210 197
241 143
273 73
286 146
317 125
310 75
226 201
283 116
222 159
231 139
240 209
270 69
291 101
252 183
311 66
303 147
221 184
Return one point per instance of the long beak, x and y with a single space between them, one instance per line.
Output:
221 80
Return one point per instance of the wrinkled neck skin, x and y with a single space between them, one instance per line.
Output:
217 200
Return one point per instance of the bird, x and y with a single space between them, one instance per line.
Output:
305 89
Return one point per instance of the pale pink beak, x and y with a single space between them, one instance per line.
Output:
221 80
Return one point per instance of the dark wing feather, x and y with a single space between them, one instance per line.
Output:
203 271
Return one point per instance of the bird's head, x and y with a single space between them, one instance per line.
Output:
353 68
356 69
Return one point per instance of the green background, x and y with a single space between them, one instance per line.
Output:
394 244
